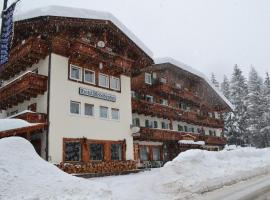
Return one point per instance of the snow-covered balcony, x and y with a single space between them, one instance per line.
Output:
28 85
30 116
169 135
168 112
24 55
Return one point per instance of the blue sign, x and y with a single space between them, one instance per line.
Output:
96 94
6 34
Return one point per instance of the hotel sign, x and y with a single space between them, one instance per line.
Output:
96 94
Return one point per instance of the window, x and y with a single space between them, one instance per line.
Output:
115 114
89 76
180 128
210 132
88 109
186 128
96 152
136 122
116 152
73 151
75 107
148 78
164 125
115 83
164 102
215 133
75 73
163 80
133 94
103 112
149 98
155 124
156 153
104 80
191 129
143 153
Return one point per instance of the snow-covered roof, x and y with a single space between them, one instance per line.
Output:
191 142
195 72
9 124
62 11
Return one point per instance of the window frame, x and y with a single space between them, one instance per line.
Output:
76 102
119 83
100 112
65 153
93 111
85 81
121 157
70 72
146 76
108 82
118 114
102 153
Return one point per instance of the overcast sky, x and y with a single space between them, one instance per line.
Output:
209 35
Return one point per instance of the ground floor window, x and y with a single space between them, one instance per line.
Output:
73 151
96 152
144 153
156 153
116 152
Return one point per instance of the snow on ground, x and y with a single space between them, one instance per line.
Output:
23 175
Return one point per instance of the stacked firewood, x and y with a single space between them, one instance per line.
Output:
98 167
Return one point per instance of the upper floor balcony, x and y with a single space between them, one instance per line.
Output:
31 117
23 56
26 86
172 113
169 135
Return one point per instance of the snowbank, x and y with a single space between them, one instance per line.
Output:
24 175
192 173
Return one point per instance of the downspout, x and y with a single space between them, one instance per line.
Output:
48 98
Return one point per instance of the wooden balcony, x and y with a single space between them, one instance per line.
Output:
23 88
32 117
171 113
83 52
24 56
150 134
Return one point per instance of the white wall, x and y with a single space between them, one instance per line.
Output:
65 125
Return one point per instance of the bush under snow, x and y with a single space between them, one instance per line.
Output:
24 175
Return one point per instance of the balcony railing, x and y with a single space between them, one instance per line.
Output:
167 112
169 135
32 117
24 56
27 86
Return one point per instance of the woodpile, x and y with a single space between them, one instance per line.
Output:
98 167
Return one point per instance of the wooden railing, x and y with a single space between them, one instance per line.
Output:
169 135
23 88
32 117
167 112
24 56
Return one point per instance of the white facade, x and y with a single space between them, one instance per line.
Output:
63 124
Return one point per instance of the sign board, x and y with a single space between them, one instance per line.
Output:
6 34
97 94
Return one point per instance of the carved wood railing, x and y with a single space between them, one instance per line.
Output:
23 88
32 117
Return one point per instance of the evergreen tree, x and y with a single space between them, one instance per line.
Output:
214 80
254 104
236 121
265 128
225 87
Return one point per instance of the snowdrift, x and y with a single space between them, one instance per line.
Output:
24 175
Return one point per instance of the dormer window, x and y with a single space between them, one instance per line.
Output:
148 78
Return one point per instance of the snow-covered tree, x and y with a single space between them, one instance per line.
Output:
214 80
254 104
225 87
265 122
236 122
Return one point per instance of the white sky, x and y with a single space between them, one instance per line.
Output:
209 35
